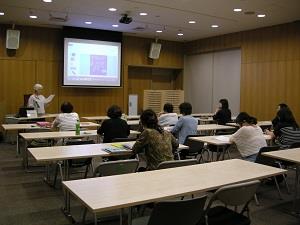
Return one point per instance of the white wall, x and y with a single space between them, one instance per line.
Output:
211 76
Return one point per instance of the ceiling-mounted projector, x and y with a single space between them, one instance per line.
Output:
125 19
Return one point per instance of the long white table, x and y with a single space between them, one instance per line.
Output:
100 118
20 119
55 135
207 127
259 123
289 155
123 191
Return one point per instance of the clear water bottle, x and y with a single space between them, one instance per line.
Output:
77 128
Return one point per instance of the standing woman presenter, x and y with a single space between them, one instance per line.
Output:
37 100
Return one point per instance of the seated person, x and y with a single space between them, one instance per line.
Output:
286 130
249 139
157 143
276 119
67 119
114 127
167 117
223 113
187 124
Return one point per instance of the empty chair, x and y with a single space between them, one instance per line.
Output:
113 168
178 212
123 139
74 163
232 195
195 148
261 159
176 163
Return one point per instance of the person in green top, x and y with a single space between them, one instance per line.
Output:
157 143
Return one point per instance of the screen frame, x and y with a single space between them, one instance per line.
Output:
91 86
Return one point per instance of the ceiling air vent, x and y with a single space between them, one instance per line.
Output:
59 19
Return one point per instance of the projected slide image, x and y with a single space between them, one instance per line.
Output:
93 63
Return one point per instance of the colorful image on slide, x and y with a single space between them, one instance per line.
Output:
98 65
93 64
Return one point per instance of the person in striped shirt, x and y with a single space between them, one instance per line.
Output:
286 131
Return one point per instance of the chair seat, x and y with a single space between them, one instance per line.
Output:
221 215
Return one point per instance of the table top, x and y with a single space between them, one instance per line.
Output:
62 134
208 127
54 153
120 191
219 139
32 126
97 118
259 123
31 118
290 155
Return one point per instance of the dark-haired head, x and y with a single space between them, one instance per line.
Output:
286 116
244 117
149 120
224 103
168 107
185 108
282 106
66 107
114 112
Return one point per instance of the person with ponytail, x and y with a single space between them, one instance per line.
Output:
157 143
249 139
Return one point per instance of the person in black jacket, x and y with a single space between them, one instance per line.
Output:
115 127
223 113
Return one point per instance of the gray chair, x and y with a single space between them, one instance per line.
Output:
232 195
176 163
74 163
195 148
113 168
261 159
178 212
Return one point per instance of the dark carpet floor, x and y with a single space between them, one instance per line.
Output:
26 200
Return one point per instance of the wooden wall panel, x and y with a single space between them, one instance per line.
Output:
40 59
17 78
270 66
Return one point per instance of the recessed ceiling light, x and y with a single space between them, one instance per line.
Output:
2 13
192 21
33 17
214 26
143 14
180 34
48 1
159 31
88 22
261 15
112 9
237 10
115 25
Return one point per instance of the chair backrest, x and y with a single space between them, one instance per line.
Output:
295 145
179 212
123 139
261 159
176 163
76 142
236 194
194 146
79 162
116 167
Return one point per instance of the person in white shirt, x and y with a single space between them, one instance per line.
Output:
167 117
67 119
249 139
37 100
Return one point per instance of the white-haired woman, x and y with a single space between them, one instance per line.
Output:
37 100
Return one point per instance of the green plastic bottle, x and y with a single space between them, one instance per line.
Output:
77 128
